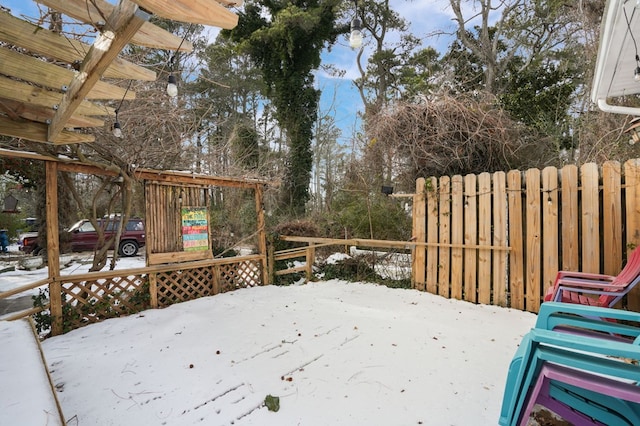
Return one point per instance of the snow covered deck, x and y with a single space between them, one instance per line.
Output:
28 397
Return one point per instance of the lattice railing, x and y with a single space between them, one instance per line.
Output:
92 301
92 297
188 284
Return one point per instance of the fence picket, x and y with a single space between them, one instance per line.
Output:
632 200
457 235
590 218
550 227
570 219
420 235
533 240
484 238
432 234
612 217
444 225
516 228
499 239
470 238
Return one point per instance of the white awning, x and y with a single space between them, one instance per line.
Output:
616 63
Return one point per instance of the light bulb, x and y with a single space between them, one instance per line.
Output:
172 87
636 74
355 40
117 130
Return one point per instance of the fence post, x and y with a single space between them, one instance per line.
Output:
311 255
271 262
153 289
53 247
55 307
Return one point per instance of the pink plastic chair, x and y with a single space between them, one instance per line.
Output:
581 287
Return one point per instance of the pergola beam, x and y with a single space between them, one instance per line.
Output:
38 132
122 24
206 12
28 68
149 35
41 41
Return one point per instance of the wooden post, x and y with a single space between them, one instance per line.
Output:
271 273
262 235
310 258
153 289
53 249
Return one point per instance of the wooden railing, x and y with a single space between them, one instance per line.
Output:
95 296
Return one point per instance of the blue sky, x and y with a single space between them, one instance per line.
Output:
339 96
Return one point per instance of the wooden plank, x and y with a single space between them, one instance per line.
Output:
533 241
516 241
457 236
28 68
33 95
590 218
95 12
53 45
499 239
123 23
632 207
470 238
419 253
431 188
550 234
387 243
444 236
43 114
205 12
179 257
570 219
484 238
612 217
37 132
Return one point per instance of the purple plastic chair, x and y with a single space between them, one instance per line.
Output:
597 387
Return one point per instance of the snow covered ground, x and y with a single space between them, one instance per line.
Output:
331 353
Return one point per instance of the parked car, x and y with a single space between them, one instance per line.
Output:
85 238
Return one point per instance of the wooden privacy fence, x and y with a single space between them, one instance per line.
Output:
501 238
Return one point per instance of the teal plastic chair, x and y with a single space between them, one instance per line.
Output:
580 341
589 320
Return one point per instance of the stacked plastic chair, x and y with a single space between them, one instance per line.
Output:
579 364
596 289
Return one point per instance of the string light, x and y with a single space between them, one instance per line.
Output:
117 128
355 39
172 86
172 82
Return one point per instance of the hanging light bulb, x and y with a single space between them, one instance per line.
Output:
117 129
355 40
172 86
636 74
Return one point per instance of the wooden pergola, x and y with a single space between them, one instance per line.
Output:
51 87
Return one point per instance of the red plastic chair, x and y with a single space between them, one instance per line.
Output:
582 287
